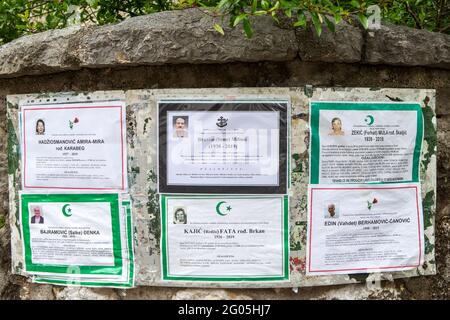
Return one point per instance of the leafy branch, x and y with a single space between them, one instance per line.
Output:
20 17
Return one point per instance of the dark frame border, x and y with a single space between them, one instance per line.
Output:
254 105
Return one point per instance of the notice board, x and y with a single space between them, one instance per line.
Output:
163 195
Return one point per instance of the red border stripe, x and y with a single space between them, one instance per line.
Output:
370 268
65 108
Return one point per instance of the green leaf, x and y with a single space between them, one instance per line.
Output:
277 6
203 5
222 3
355 3
265 4
363 20
320 17
327 3
248 28
259 13
288 13
239 18
316 23
274 17
301 20
330 24
219 29
337 18
254 5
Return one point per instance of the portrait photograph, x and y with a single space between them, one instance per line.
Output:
180 126
37 215
331 210
336 127
179 216
40 127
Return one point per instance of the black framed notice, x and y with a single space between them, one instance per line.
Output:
223 146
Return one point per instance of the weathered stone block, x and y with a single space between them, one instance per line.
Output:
398 45
42 53
344 46
186 36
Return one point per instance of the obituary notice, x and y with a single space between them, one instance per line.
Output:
63 231
364 228
365 142
223 238
223 147
74 147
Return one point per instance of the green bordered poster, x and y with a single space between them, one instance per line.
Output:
224 238
124 281
63 232
355 142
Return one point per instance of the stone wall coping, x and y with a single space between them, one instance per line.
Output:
188 37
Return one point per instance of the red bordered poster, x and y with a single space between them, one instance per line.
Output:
364 228
74 146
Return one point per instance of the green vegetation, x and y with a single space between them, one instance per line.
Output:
21 17
2 221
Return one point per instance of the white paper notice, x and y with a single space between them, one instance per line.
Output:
227 148
79 146
364 142
78 234
126 279
364 228
223 238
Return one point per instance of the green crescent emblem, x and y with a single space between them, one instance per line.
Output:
369 120
66 211
228 208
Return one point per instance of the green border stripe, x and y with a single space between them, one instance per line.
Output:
128 284
315 108
163 236
130 242
113 199
286 237
285 241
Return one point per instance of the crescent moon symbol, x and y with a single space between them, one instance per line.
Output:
369 120
64 211
218 208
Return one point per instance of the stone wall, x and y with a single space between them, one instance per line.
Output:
182 50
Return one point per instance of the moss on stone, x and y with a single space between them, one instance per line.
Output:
2 221
430 135
146 121
13 149
428 211
153 208
429 247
